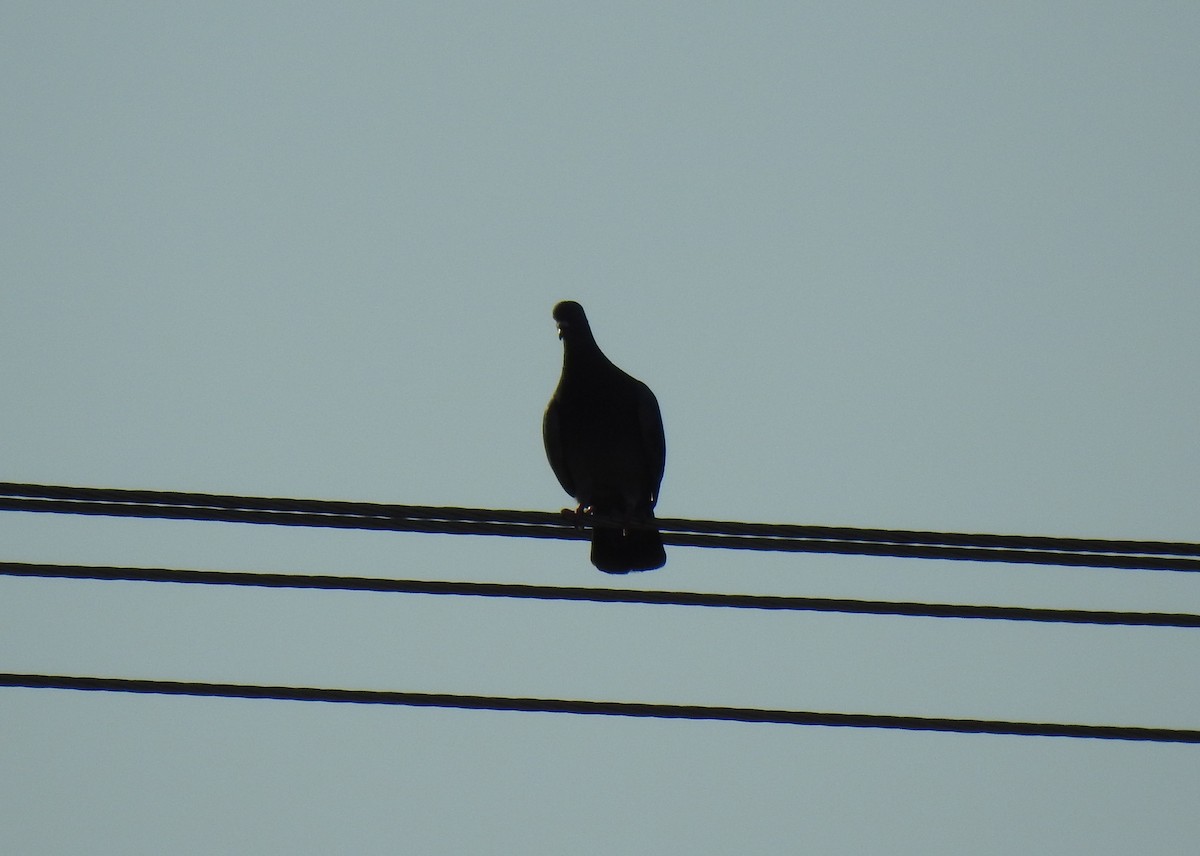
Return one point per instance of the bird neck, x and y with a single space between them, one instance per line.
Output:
581 354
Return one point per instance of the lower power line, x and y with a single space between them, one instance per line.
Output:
601 708
601 595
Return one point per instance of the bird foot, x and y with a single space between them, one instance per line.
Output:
587 516
577 514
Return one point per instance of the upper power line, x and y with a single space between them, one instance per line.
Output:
1025 549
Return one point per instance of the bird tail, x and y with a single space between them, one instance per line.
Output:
619 551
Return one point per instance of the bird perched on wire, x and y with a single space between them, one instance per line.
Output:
604 440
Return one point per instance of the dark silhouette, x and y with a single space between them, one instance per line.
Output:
604 440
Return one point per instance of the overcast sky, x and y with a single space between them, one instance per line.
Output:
920 265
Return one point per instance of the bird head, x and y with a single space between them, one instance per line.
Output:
570 319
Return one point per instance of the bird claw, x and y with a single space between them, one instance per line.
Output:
584 516
576 515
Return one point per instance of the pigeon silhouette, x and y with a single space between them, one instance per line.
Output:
604 440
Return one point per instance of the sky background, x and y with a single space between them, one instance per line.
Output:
923 265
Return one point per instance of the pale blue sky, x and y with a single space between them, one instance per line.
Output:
922 265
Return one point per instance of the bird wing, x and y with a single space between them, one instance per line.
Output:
654 441
553 440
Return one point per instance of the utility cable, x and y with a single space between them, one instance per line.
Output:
602 708
1025 549
600 595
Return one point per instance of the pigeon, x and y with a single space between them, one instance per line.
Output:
604 440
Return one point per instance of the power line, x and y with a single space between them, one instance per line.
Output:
1025 549
600 595
602 708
